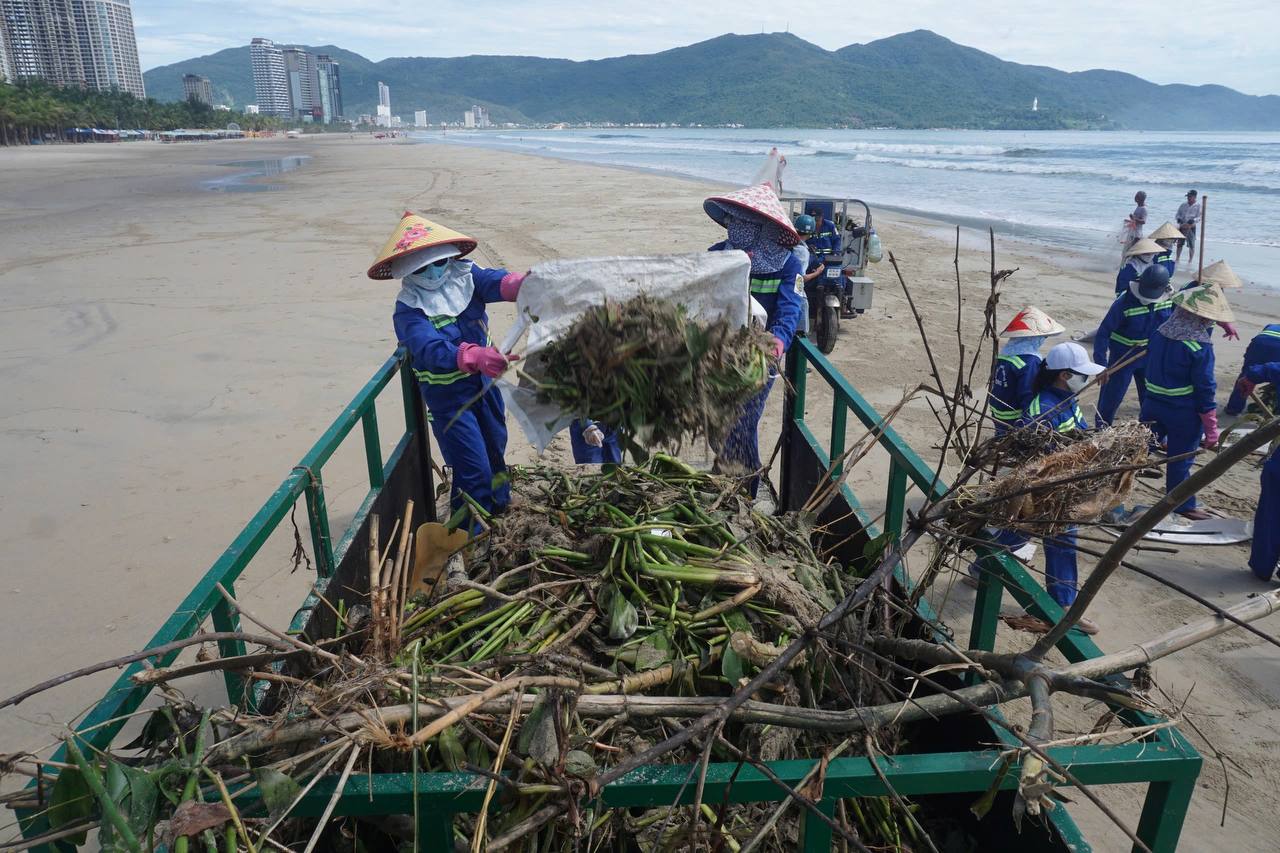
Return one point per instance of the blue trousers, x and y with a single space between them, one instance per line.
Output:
741 448
1266 522
1113 393
1180 427
1237 402
585 454
1060 567
474 446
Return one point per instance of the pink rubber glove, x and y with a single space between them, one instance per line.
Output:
1245 386
1210 421
778 348
473 358
1229 329
509 287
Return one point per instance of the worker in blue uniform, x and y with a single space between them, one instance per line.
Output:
1014 377
1066 370
1138 257
1121 341
825 241
1264 348
1168 238
1265 553
1180 405
593 443
756 224
440 318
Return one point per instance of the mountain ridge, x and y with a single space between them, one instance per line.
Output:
911 80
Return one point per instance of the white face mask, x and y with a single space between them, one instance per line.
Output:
429 277
1076 382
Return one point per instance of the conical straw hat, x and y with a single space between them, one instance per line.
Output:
1167 231
1145 246
414 233
1207 301
756 201
1221 274
1031 322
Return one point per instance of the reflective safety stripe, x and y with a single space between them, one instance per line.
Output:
765 285
1129 342
1034 408
440 378
1161 306
1014 360
1077 420
1193 346
1162 391
1005 414
1135 312
1270 333
442 320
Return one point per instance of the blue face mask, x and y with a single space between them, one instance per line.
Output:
433 272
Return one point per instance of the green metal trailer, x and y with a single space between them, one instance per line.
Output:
934 772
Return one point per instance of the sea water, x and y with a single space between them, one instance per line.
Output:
1061 189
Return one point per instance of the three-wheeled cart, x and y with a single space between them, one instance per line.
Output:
946 767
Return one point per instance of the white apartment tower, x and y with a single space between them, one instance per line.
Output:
383 118
108 47
41 41
300 71
420 118
270 83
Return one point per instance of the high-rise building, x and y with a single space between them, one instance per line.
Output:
108 47
420 118
383 118
299 69
196 87
329 86
270 84
480 116
6 70
41 41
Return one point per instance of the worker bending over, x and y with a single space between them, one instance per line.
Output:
1263 349
1265 553
440 318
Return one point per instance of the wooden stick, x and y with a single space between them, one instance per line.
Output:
333 801
1204 215
395 604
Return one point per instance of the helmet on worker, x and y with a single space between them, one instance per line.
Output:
1152 285
806 224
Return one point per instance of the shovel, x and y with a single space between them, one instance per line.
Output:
434 545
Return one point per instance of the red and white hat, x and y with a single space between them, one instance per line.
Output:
1031 322
759 201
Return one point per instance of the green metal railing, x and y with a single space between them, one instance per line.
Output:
1167 762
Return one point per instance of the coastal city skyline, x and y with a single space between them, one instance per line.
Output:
83 43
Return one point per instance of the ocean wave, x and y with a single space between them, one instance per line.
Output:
905 148
672 146
1255 167
617 136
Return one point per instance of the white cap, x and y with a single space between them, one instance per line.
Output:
1072 356
414 261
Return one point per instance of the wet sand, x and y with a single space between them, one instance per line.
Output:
168 353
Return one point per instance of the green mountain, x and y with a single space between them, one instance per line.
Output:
916 79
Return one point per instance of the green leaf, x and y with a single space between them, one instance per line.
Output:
451 749
278 790
731 666
538 734
143 794
580 763
653 652
983 804
70 802
623 618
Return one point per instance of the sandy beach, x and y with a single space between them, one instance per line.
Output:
169 352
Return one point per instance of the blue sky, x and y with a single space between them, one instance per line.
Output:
1231 42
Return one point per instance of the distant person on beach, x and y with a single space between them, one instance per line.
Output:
441 318
756 223
1188 217
1134 225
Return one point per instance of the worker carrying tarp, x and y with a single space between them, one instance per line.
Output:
440 318
1122 338
1180 404
1013 382
756 224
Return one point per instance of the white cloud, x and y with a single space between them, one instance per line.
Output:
1213 41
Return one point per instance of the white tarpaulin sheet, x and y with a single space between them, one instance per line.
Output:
710 285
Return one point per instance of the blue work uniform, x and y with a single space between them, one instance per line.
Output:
1013 384
1180 386
1060 411
825 240
586 454
1127 275
807 263
779 294
466 411
1124 333
1166 260
1265 553
1264 348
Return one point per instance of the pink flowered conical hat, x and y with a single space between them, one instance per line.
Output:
753 202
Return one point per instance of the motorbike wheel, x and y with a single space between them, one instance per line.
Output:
828 327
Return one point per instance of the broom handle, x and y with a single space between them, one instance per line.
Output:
1204 214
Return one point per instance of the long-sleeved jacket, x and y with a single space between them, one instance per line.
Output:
826 241
1048 407
1267 371
433 342
1012 386
1128 325
1127 275
1166 260
780 294
1264 347
1180 373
